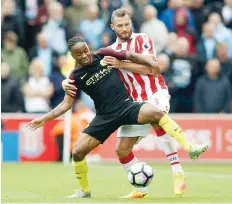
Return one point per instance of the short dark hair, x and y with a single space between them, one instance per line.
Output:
121 12
73 41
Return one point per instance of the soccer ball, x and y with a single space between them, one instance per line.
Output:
140 174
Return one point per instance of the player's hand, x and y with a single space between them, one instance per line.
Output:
68 87
112 61
36 123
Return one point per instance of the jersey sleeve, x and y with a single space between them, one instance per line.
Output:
108 51
145 45
71 76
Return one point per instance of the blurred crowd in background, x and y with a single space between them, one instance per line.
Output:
192 38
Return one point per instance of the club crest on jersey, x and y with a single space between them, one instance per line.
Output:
146 46
102 63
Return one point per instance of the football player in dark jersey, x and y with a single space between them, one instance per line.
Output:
113 107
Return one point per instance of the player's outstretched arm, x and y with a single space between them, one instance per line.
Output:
65 105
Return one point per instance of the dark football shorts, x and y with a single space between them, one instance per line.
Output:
102 126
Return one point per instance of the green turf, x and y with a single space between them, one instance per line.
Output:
35 182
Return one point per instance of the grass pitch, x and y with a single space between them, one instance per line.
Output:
52 183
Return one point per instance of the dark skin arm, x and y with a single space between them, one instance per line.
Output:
64 106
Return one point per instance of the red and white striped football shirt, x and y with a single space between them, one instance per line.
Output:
140 86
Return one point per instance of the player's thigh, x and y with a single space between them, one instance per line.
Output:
149 114
85 144
140 113
101 127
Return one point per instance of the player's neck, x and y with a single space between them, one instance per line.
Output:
122 40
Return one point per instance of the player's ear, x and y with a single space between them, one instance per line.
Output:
112 26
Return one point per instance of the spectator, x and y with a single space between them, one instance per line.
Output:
115 4
56 79
38 90
159 5
87 25
197 10
151 24
105 11
227 13
221 33
226 63
213 90
55 28
11 96
42 16
167 16
183 30
15 56
171 45
164 64
206 47
65 3
184 68
43 52
211 6
138 13
105 39
74 14
12 20
31 10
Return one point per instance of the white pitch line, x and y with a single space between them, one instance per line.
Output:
132 202
203 174
188 173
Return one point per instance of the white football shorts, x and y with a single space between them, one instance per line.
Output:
161 100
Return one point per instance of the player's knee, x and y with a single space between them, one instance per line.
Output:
78 154
156 115
122 151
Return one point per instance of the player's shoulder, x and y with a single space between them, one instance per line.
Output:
74 72
113 45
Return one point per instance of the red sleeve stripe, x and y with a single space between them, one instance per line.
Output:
162 82
152 49
134 92
139 79
119 46
139 44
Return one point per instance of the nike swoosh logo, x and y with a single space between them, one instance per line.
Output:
179 130
83 76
